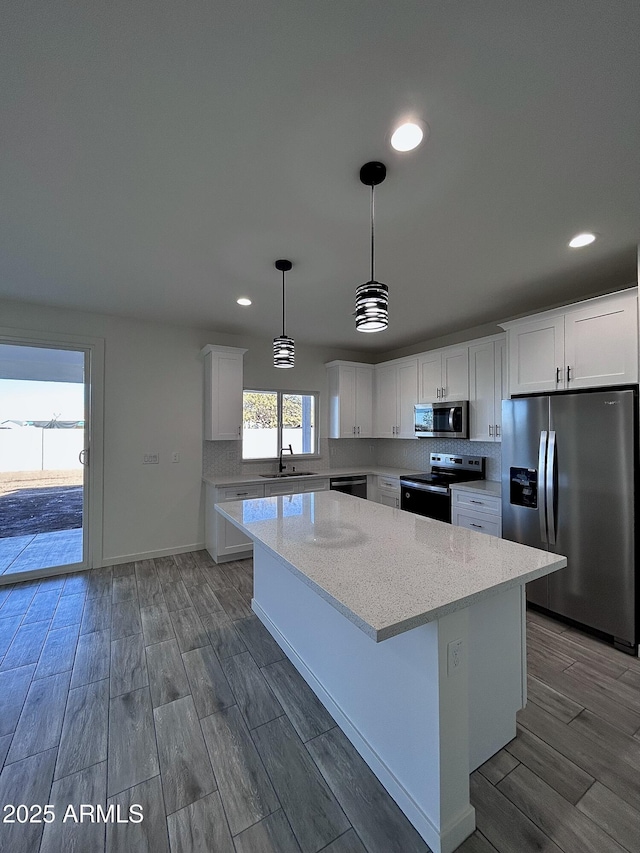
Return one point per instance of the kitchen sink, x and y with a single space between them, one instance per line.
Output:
291 474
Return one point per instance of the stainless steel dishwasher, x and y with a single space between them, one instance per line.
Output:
355 485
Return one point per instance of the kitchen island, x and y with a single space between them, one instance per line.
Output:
409 630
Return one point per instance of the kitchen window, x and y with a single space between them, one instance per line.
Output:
272 420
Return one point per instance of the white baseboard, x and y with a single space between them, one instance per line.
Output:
149 555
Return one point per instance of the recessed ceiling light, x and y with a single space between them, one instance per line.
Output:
407 136
243 301
582 240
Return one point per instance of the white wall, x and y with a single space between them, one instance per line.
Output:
153 397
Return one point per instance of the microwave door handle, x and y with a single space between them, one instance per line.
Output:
451 426
549 488
542 467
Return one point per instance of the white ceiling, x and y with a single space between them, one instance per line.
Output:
157 157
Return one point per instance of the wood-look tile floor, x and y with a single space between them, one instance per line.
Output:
152 684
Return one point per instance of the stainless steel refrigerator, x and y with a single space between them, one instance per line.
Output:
569 480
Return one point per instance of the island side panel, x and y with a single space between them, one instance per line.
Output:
497 672
394 700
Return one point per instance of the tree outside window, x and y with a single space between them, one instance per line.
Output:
276 419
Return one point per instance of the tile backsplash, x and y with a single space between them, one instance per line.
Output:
224 458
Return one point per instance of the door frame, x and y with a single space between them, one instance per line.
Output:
94 397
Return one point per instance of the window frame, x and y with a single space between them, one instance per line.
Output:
279 395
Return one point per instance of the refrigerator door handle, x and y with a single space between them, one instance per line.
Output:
542 469
549 495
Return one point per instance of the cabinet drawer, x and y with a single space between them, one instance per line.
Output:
478 502
479 523
240 493
286 488
313 485
389 483
389 498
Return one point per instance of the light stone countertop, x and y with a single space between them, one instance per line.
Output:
386 570
245 479
485 487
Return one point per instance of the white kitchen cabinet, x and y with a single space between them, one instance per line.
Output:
309 485
222 392
590 344
396 393
477 510
444 375
487 388
601 342
291 486
350 399
223 540
388 492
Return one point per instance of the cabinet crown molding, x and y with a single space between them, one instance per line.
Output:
340 363
221 349
571 306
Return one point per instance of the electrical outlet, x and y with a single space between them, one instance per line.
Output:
454 655
151 459
175 457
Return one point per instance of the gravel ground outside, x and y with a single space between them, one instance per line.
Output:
39 502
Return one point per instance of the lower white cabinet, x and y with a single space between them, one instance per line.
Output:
476 510
389 491
223 540
295 487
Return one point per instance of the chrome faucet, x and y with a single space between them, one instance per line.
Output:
281 467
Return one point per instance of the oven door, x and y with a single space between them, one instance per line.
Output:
430 504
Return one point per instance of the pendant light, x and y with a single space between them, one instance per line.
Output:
372 298
283 347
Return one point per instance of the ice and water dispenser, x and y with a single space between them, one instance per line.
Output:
524 487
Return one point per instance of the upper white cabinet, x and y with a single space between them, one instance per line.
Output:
396 393
443 375
585 345
487 388
222 392
350 399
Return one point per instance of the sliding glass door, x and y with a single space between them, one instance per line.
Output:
44 457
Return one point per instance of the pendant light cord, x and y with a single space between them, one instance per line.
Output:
283 306
373 277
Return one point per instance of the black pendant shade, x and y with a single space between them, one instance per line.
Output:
372 297
283 346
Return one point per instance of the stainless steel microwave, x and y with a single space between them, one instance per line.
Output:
442 420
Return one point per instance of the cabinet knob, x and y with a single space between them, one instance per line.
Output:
476 525
490 429
557 375
497 432
568 374
444 394
437 393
